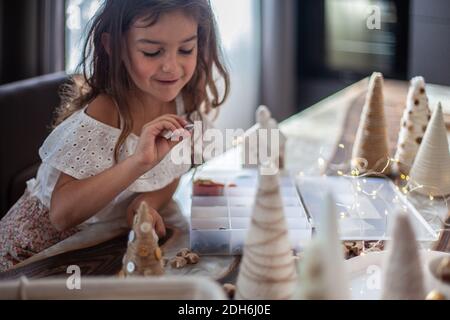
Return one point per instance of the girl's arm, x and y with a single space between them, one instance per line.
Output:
74 201
156 200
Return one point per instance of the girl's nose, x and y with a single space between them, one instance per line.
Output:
169 65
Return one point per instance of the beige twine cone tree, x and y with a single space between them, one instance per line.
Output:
143 256
322 274
413 125
430 174
267 268
402 269
370 150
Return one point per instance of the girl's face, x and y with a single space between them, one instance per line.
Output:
161 59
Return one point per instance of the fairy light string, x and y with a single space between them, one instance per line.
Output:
358 171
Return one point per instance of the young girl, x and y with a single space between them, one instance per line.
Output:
148 68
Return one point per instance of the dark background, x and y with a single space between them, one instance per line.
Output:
32 43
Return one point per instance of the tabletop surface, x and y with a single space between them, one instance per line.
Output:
319 140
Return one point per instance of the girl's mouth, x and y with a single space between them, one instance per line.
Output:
167 82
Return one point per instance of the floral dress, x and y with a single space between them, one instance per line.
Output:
81 147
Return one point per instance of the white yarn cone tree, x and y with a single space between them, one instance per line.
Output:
143 256
312 283
370 150
413 125
267 268
430 174
255 139
402 270
322 274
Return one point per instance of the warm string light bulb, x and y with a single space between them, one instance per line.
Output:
406 187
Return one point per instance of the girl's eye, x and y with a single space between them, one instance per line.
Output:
186 52
151 54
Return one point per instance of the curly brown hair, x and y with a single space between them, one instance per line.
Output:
103 73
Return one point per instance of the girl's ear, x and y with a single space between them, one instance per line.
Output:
106 42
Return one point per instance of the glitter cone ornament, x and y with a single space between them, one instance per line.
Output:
322 274
430 174
267 268
402 269
143 256
370 150
413 125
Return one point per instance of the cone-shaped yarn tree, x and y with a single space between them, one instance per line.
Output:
322 275
430 174
143 256
413 125
370 150
267 268
264 140
312 283
403 278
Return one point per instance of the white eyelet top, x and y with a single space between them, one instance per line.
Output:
83 147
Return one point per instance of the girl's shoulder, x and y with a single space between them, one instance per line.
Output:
101 115
83 145
104 110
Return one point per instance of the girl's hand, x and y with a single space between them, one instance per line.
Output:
152 147
158 222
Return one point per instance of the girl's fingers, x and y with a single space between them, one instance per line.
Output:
180 122
160 126
173 121
177 118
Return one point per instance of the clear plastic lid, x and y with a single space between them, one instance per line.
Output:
366 207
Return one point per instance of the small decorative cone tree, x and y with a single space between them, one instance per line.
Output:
430 174
370 150
143 256
322 274
267 269
413 125
252 153
403 277
312 283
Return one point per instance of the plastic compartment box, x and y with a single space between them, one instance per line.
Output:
219 224
366 207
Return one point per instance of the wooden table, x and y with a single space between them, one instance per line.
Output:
313 135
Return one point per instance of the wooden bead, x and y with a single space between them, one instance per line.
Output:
158 254
143 251
435 295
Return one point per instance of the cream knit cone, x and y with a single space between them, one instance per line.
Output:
431 168
322 274
263 115
267 268
402 270
334 255
250 148
413 125
143 256
370 150
312 282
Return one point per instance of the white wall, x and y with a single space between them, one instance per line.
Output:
239 27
